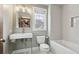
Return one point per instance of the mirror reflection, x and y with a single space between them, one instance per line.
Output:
24 22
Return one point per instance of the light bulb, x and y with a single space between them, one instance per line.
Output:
23 9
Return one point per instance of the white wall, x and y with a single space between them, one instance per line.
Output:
56 31
71 34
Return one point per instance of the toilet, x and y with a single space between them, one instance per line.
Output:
44 48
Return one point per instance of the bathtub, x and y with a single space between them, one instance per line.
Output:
64 47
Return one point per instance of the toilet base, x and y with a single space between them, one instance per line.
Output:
44 51
41 52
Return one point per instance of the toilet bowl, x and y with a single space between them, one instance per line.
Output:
44 48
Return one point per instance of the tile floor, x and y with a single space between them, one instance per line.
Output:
35 50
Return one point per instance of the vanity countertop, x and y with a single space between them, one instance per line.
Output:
20 35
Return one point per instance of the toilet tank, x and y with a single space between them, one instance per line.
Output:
40 39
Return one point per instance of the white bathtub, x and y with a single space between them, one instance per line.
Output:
64 47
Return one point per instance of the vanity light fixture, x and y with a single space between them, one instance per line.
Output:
23 9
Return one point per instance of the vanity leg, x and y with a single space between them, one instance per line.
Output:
24 44
31 45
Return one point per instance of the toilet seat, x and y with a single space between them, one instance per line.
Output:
44 46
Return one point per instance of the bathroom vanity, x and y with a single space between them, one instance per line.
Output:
23 36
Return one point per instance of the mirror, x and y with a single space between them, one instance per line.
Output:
39 19
23 16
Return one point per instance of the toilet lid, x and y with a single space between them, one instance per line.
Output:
44 46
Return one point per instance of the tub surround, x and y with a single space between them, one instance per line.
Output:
63 47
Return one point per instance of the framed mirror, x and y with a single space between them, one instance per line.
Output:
23 16
39 19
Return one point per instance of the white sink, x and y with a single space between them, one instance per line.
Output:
20 35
